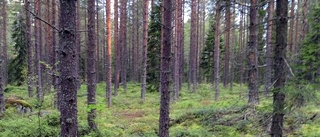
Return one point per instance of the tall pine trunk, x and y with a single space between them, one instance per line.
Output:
2 102
68 74
165 69
123 44
29 49
117 49
227 45
268 75
38 47
144 50
177 49
91 65
279 67
252 56
193 46
217 51
4 42
108 58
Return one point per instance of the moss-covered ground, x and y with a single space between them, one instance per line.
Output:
193 115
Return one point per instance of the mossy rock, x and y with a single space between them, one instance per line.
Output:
22 105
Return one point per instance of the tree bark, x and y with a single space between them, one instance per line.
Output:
4 41
29 49
193 46
68 74
177 49
297 28
117 50
165 69
144 50
55 80
268 75
2 102
252 57
217 51
108 63
48 47
38 47
279 67
78 40
91 64
123 44
227 44
98 43
290 43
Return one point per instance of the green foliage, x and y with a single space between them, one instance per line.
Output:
310 51
18 66
154 49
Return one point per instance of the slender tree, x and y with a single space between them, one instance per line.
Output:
291 34
78 39
279 67
268 75
252 56
4 42
108 58
38 47
48 46
227 44
123 44
165 69
117 49
144 49
68 74
177 48
193 46
2 103
217 50
91 65
29 49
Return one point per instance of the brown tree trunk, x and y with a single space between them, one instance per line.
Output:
38 47
177 49
108 58
217 51
2 102
269 44
193 46
98 44
91 64
29 49
78 40
279 67
117 50
241 45
123 44
4 42
252 57
227 44
165 69
304 24
181 65
48 46
144 50
55 80
290 43
68 74
297 28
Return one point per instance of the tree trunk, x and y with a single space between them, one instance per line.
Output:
68 74
48 46
91 64
108 63
297 28
144 50
268 75
290 43
252 57
38 47
304 24
227 44
181 65
2 102
279 67
177 49
241 45
98 44
165 69
193 46
217 51
123 44
117 50
55 80
78 40
29 49
4 42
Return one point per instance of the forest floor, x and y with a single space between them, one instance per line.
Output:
193 115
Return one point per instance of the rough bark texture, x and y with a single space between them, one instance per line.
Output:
123 44
97 38
177 49
108 58
165 69
217 51
2 103
91 64
227 44
144 50
279 67
4 42
252 56
268 75
117 50
48 46
290 43
29 49
55 80
78 40
68 74
38 47
193 46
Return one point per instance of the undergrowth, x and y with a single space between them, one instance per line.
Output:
193 115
